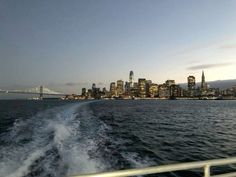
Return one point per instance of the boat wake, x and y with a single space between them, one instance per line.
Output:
68 140
51 143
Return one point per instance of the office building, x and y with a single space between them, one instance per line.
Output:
175 91
191 82
170 82
113 89
135 90
127 88
131 78
191 86
153 90
120 87
148 84
142 87
164 91
83 92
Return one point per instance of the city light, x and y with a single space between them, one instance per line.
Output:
146 89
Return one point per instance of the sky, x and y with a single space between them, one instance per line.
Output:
70 44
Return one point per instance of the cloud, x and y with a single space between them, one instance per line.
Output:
225 43
197 47
72 84
228 46
207 66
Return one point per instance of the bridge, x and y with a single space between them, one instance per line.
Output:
36 90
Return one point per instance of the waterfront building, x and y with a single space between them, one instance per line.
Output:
191 86
113 89
185 93
227 93
148 84
153 90
170 82
89 93
191 82
163 91
198 92
95 92
83 92
93 89
135 90
93 86
175 91
120 87
142 87
127 88
131 78
213 92
103 93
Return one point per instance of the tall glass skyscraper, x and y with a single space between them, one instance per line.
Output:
131 78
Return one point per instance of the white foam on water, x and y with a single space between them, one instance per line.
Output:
62 133
63 125
24 168
78 160
136 160
75 152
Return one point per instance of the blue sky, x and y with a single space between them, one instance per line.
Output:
66 45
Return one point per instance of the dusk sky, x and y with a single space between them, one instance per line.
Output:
66 45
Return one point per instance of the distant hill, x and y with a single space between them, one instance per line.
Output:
222 84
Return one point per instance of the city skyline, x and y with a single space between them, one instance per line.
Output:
70 45
145 88
131 89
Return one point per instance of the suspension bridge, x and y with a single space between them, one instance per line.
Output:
41 91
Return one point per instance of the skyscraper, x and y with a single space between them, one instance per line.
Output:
164 91
170 82
83 92
127 88
148 84
191 85
142 88
203 77
191 82
113 89
94 90
175 91
131 78
93 87
135 90
120 87
153 90
203 83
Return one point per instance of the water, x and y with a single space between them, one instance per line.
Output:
57 138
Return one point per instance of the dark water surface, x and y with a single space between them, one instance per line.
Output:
57 138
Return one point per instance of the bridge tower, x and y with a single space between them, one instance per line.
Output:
41 92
